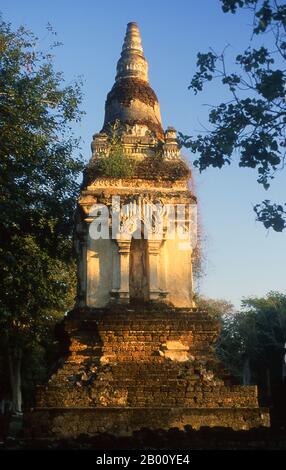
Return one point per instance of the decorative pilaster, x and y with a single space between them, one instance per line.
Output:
163 260
153 251
121 278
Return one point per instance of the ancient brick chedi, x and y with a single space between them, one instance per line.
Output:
136 352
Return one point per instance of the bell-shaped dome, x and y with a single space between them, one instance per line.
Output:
131 99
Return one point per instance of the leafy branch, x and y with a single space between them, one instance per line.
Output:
252 124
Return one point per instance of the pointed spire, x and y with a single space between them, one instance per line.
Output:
131 99
132 62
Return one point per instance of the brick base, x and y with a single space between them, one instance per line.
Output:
129 367
72 422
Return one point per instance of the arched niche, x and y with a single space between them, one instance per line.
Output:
138 268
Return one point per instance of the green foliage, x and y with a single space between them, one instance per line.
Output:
116 164
217 308
35 285
272 215
252 124
38 189
256 334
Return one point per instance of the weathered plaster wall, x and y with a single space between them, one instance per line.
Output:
99 271
175 272
179 273
136 111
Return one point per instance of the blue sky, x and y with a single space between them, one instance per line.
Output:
242 258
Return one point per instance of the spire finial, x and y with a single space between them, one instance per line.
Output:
132 62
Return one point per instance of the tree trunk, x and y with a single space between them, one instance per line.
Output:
246 372
15 363
268 383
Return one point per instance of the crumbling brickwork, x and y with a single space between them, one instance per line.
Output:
142 366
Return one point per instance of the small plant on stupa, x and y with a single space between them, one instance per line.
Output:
117 164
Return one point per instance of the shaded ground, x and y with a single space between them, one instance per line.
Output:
204 439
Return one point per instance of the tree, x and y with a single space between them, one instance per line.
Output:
254 339
217 308
38 188
252 124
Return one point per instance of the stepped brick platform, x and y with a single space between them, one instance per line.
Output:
142 366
